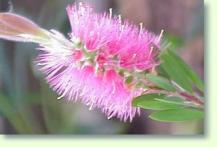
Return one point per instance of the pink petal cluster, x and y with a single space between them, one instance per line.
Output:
113 37
116 46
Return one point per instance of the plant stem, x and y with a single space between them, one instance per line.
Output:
192 98
186 96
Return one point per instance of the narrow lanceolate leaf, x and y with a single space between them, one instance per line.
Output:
152 102
193 76
161 82
173 69
158 105
179 71
177 115
146 97
172 100
17 28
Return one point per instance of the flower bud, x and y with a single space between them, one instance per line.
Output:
17 28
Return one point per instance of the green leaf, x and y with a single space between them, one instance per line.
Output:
172 68
172 100
177 115
193 76
179 71
142 98
175 40
162 72
158 105
153 102
161 82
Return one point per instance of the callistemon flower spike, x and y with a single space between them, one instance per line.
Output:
103 63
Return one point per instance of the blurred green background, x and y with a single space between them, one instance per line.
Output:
28 105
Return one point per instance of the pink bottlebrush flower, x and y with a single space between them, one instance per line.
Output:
112 37
102 63
90 71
